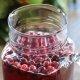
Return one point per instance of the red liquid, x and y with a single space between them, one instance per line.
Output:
34 60
11 73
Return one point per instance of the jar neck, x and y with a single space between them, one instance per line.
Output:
34 42
44 20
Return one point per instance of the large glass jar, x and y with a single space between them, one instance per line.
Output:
39 47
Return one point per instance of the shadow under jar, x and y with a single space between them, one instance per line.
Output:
38 47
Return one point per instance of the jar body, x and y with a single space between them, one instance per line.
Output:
14 67
39 48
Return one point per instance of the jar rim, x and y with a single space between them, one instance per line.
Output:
46 6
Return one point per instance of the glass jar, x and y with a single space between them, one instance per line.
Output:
38 47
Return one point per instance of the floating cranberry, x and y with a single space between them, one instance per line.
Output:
38 59
32 68
39 64
25 56
42 69
23 40
46 63
50 69
24 67
32 56
23 60
31 62
41 51
52 39
55 64
44 56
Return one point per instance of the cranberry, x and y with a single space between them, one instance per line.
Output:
55 64
38 59
42 69
23 60
23 40
31 33
52 39
33 51
46 63
50 69
32 68
24 67
25 56
39 64
31 57
31 62
44 56
41 51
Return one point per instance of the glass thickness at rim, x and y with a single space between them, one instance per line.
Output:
46 6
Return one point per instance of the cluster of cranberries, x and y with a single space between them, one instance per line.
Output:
38 54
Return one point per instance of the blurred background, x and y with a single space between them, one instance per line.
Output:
70 7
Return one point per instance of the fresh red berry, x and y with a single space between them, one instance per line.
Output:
32 68
24 67
55 64
46 63
42 69
23 60
50 69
